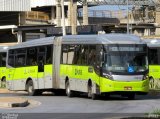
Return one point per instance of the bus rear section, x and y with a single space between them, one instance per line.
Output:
104 65
29 66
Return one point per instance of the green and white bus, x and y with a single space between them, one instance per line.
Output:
3 72
94 64
154 61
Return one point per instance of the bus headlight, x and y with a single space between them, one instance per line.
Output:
108 76
145 77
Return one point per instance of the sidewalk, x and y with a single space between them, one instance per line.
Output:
9 102
4 90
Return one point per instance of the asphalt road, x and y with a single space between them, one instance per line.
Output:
49 106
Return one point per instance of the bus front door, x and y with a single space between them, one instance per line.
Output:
40 75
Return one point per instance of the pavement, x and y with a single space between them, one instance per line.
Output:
3 90
10 102
154 92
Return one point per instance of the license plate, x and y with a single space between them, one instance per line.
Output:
127 88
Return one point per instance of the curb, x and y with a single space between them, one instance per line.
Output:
10 102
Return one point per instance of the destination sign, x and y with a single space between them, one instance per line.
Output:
125 48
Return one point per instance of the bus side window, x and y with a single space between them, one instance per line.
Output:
92 54
70 54
49 54
84 55
41 58
11 58
3 59
76 54
99 53
31 56
40 63
64 54
20 57
20 60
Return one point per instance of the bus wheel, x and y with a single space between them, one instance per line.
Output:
68 90
90 94
30 88
151 82
131 96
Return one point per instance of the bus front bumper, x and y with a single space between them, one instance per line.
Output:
121 86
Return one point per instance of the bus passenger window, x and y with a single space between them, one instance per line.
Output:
84 55
3 59
41 64
11 60
92 55
20 60
64 54
49 55
76 54
31 56
70 54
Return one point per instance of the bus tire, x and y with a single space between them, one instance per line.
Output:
90 94
69 93
30 88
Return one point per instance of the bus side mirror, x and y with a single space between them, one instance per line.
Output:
102 64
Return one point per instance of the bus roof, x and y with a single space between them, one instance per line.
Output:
84 39
102 39
3 48
36 42
152 42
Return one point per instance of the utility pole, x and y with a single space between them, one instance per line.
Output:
63 18
74 16
69 12
85 12
58 13
127 18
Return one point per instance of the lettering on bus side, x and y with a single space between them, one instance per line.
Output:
29 71
78 72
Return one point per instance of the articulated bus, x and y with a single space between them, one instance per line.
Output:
92 64
154 61
3 72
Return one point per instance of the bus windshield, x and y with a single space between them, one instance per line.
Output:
126 61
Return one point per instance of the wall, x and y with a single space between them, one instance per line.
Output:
15 5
